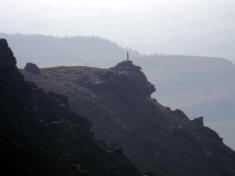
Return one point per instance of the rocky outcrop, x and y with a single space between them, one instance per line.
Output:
198 121
32 68
125 79
8 63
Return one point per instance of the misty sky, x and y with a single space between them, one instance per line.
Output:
194 27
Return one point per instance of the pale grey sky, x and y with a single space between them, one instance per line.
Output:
194 27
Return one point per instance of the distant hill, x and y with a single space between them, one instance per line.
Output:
218 110
53 51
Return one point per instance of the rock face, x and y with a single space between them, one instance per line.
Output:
41 135
124 78
198 121
32 68
8 62
118 102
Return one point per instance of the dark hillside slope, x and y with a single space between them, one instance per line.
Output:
118 102
41 136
